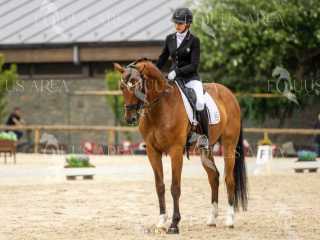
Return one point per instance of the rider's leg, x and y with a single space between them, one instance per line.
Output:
196 85
202 115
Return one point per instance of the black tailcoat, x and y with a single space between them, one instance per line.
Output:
185 58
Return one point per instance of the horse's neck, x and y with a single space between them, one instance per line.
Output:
155 86
164 107
167 95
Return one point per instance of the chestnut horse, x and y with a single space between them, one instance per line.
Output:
164 126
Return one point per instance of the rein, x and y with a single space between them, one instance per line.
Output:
140 93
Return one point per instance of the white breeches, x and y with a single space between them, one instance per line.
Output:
198 88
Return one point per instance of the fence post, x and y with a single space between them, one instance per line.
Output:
36 140
111 136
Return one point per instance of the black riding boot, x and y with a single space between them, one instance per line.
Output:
202 117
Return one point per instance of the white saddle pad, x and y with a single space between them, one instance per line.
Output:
214 114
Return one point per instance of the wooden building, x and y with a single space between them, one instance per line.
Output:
80 39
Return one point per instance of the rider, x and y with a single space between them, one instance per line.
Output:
184 49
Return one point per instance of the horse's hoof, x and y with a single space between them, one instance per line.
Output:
229 225
211 222
160 230
173 230
211 225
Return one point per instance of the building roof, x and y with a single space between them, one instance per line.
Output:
82 21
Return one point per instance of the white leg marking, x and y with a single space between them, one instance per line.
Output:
230 216
212 220
162 221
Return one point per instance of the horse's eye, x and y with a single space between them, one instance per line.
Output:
123 85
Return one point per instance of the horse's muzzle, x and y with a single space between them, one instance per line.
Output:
132 120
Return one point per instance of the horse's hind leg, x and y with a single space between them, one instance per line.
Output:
229 148
155 160
213 177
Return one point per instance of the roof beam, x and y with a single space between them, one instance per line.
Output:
86 54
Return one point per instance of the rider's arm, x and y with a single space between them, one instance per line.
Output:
17 121
163 56
195 59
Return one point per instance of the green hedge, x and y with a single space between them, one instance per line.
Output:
10 136
78 161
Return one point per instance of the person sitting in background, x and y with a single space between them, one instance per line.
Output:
15 119
317 138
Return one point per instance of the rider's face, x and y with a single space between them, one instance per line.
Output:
180 27
18 112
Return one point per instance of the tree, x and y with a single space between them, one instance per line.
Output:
7 80
115 102
243 41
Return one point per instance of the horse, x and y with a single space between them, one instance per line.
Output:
158 108
50 142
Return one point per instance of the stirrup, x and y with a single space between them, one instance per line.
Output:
203 142
193 137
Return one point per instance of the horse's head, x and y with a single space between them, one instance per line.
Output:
131 82
138 79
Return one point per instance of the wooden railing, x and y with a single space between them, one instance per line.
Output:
291 131
110 130
68 128
119 93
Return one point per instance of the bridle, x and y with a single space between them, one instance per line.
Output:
139 90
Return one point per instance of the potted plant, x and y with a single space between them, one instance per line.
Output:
306 156
79 165
306 162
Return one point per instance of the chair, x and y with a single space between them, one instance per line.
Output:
8 147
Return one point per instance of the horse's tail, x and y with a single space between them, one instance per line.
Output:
240 176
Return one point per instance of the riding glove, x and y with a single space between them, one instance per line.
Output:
172 75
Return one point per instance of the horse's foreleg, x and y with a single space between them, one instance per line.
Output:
154 157
213 177
176 155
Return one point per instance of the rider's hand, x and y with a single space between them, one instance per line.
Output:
172 75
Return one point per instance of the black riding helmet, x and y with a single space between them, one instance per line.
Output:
182 15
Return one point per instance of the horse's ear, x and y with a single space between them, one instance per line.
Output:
118 67
139 66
